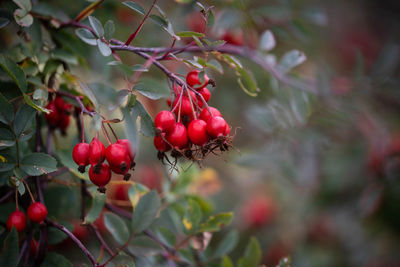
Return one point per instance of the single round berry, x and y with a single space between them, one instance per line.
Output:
216 126
185 106
178 136
97 151
37 212
227 130
192 79
164 121
205 114
197 132
205 93
118 157
18 220
102 177
80 155
128 145
160 144
52 118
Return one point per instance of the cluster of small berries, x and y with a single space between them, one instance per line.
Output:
192 128
37 212
120 157
59 116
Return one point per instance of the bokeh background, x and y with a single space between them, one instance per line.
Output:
313 177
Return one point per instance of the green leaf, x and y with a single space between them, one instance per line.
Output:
29 101
23 119
130 128
9 255
40 94
152 89
144 246
192 217
166 236
38 163
215 65
145 211
89 93
159 21
227 244
105 50
3 22
15 72
146 123
6 110
53 259
252 254
291 59
226 262
7 138
86 36
134 6
65 56
21 188
66 160
190 34
117 227
97 27
109 29
247 82
24 4
98 201
215 223
267 41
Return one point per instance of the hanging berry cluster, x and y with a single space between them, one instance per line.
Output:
119 155
59 116
191 129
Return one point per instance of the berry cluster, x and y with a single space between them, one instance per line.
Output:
191 129
59 116
37 212
120 157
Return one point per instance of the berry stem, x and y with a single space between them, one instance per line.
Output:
29 191
106 134
191 102
82 127
16 198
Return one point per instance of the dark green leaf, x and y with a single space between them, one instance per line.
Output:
192 217
134 6
227 244
247 82
215 65
145 211
15 72
38 163
130 128
215 223
97 27
65 56
105 50
252 254
9 255
166 236
152 89
117 227
29 101
98 201
7 138
144 246
6 110
146 123
53 259
23 119
24 4
159 21
109 29
86 36
89 93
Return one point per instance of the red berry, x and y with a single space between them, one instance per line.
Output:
205 114
160 144
97 151
216 126
169 102
164 121
18 220
178 137
37 212
59 103
118 158
197 132
128 145
80 155
64 122
102 177
227 130
186 107
192 79
205 93
53 118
